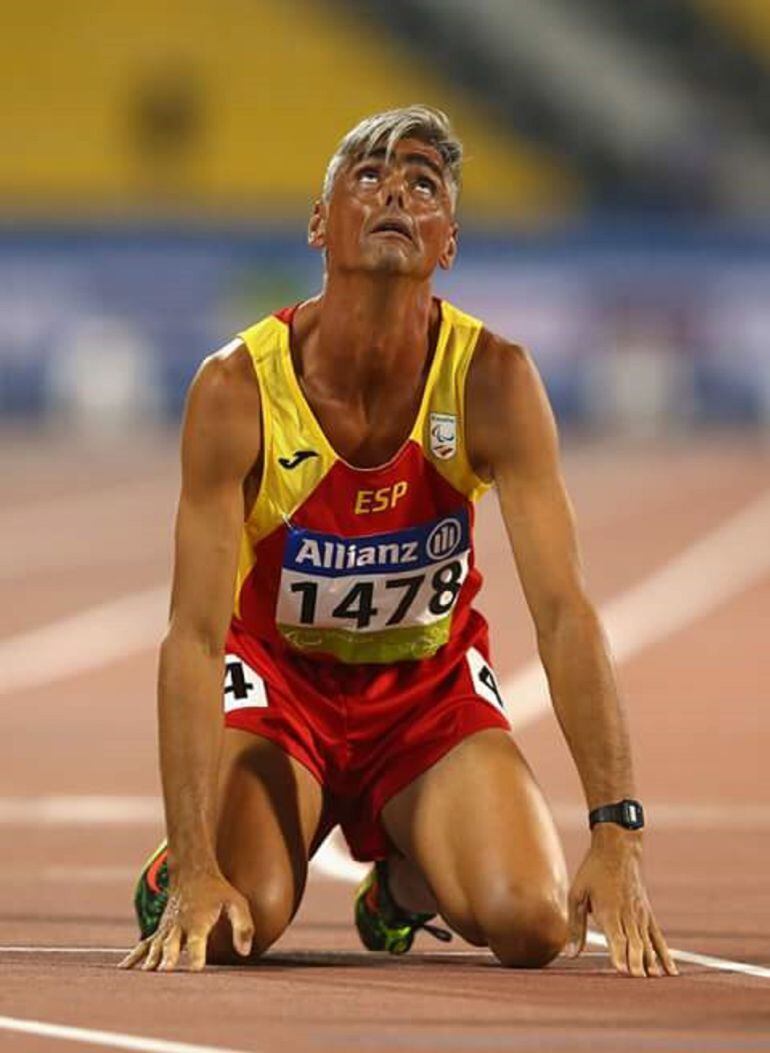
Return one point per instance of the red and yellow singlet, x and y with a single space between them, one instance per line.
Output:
361 565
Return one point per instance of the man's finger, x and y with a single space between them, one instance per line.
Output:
135 955
616 944
242 925
171 948
196 951
153 954
651 962
634 949
663 952
578 921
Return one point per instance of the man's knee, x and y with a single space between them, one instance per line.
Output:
272 907
525 928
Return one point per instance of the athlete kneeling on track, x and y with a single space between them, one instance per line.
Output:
331 458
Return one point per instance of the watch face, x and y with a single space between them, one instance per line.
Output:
633 816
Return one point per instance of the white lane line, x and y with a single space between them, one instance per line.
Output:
80 810
479 952
708 573
593 939
81 642
111 1039
27 949
104 810
707 961
333 861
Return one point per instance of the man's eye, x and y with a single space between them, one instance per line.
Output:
368 175
425 185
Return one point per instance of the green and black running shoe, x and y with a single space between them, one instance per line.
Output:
381 923
151 892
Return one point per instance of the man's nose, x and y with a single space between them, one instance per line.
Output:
395 190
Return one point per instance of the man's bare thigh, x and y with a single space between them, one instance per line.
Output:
268 811
478 827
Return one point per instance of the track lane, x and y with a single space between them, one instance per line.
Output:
96 734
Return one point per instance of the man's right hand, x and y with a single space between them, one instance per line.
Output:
193 909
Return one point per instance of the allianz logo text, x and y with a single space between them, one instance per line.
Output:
331 555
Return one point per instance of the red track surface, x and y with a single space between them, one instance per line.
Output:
79 528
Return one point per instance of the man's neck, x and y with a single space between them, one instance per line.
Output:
370 328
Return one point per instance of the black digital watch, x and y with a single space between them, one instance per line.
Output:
626 813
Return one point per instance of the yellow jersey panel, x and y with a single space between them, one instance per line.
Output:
441 424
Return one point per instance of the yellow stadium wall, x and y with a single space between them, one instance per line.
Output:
262 90
749 20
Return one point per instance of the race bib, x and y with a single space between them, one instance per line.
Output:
379 583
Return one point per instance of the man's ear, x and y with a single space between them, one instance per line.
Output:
447 257
316 228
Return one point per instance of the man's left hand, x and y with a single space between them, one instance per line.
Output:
609 885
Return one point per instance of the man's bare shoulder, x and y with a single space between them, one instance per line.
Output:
222 430
507 407
498 365
226 382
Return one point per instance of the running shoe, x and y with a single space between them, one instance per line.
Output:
151 892
381 923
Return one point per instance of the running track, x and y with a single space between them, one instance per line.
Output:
675 540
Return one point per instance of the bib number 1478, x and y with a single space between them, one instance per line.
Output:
362 603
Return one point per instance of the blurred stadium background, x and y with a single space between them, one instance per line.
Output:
159 162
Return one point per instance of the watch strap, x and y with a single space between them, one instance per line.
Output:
626 813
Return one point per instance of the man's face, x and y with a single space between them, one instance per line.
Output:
390 215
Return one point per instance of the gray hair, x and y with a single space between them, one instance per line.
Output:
389 128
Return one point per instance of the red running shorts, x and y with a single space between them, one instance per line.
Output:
363 731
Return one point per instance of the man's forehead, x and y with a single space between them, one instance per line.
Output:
410 150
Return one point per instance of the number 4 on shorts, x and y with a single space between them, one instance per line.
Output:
484 680
243 688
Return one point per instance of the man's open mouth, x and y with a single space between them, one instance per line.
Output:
393 226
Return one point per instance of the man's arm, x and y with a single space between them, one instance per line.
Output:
512 439
221 441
